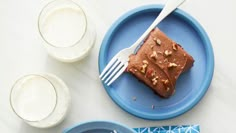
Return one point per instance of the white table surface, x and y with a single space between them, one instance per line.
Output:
21 52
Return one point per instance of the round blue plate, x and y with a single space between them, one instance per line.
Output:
191 86
99 127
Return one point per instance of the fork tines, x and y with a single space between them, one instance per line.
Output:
113 70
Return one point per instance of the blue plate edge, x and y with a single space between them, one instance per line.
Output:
209 54
98 121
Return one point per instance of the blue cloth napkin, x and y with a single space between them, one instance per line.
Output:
169 129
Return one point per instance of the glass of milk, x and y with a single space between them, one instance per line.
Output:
66 30
41 100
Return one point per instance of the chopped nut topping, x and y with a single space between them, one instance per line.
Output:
167 89
165 81
133 70
154 74
158 41
171 65
174 46
154 55
145 62
184 54
154 80
143 68
165 60
156 77
159 52
167 52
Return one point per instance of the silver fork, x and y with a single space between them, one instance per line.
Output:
119 62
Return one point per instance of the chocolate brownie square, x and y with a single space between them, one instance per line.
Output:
159 62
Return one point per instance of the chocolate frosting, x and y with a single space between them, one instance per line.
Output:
159 62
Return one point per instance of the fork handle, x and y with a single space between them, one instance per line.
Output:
170 6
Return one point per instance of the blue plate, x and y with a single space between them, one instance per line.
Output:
191 86
99 127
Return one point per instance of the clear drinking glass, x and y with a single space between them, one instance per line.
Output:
66 30
41 100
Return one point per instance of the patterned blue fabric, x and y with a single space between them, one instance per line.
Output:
170 129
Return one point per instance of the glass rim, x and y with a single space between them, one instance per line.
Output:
73 44
12 101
